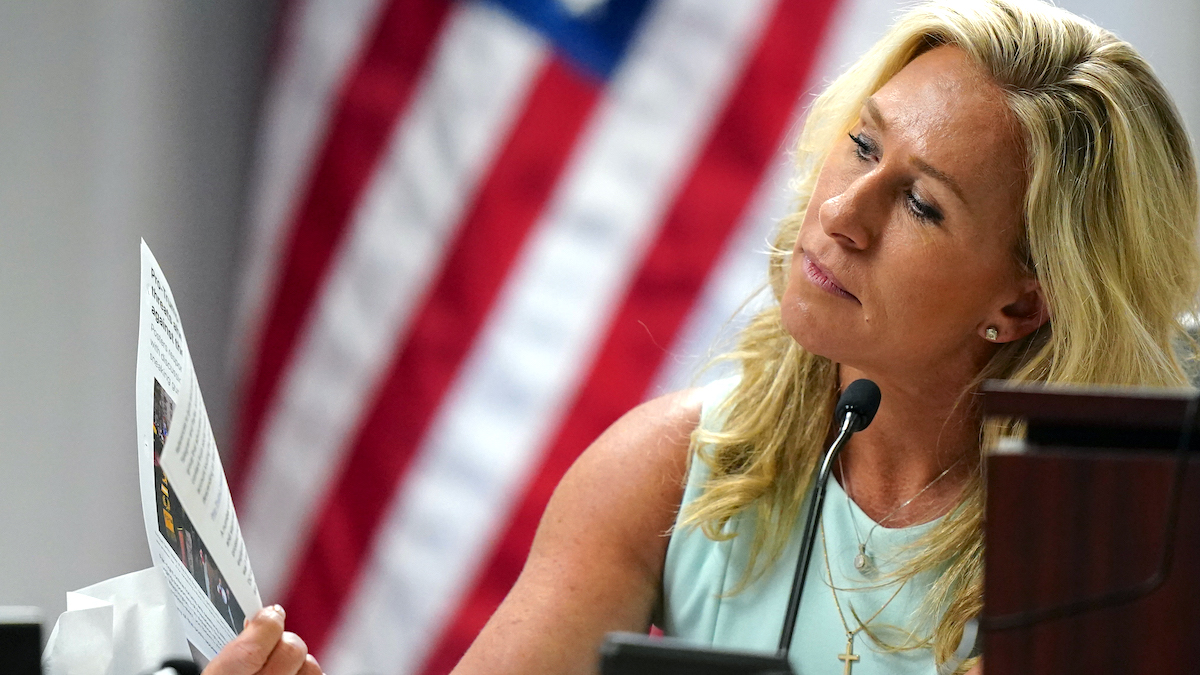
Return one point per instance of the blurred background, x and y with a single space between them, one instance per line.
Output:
423 253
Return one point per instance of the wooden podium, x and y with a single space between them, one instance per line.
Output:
1093 533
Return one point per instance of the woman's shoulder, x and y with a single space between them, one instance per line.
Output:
666 420
654 438
647 444
625 489
597 558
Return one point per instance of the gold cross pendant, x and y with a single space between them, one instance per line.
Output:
849 657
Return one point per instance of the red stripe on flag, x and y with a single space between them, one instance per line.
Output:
370 103
472 273
697 228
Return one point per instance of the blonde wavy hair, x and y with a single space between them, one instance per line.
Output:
1110 224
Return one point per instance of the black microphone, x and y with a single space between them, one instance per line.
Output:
855 409
861 399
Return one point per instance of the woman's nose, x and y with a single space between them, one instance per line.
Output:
848 217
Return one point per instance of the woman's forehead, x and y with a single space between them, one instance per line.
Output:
944 112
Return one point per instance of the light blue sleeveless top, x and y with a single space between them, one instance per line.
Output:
700 572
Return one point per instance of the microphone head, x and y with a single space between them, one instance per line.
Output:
860 398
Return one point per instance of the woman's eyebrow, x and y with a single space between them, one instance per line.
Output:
925 168
876 116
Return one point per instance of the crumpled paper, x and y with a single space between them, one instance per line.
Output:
123 626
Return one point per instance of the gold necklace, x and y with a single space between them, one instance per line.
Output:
849 657
864 562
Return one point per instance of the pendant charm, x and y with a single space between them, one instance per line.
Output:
862 561
849 657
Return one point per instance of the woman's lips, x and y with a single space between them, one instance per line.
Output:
823 279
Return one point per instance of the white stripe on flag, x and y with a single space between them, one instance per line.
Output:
482 69
712 326
540 339
855 27
325 37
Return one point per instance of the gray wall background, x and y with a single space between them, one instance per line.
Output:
123 119
119 119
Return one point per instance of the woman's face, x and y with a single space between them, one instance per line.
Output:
906 253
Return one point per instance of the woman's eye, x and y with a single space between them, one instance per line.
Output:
864 148
922 210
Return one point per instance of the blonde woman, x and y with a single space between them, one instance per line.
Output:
997 189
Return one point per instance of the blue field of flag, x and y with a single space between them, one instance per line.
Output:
593 34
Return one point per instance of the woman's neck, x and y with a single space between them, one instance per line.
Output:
923 443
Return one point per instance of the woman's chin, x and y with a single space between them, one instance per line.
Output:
814 332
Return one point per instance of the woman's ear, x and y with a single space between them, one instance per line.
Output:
1020 318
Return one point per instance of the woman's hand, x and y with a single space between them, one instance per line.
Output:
264 648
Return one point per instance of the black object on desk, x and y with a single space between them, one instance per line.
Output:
20 641
638 654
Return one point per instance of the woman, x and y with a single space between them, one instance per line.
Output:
997 189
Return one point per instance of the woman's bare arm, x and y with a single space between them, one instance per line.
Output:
596 562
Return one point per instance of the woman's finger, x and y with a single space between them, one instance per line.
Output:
288 657
310 667
249 652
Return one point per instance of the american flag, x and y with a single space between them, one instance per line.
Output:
481 231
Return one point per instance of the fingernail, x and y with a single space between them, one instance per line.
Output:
245 622
279 609
270 613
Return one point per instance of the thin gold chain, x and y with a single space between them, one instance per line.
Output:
862 545
833 589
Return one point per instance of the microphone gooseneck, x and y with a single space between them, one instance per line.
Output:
856 408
